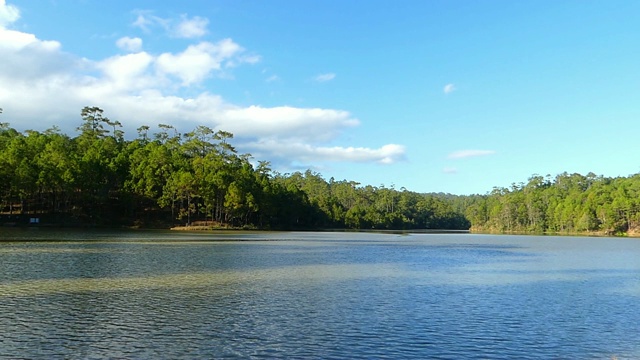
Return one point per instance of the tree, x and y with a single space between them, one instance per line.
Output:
100 178
92 127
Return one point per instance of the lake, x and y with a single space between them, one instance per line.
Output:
334 295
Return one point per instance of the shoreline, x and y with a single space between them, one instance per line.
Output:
217 227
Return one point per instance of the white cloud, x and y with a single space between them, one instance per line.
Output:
449 88
272 78
289 123
197 62
129 44
249 59
142 22
16 40
450 170
184 27
325 77
145 89
304 152
25 56
191 28
129 72
146 21
461 154
8 14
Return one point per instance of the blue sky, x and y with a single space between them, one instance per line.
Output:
434 96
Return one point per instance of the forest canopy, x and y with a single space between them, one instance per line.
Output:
568 203
164 178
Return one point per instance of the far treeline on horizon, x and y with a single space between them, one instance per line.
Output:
164 178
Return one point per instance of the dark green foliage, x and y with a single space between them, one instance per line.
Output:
166 179
99 178
569 203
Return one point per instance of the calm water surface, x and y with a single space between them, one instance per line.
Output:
151 294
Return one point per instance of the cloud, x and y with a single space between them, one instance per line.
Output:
462 154
243 59
128 72
191 28
450 170
303 152
184 27
129 44
272 78
8 14
325 77
199 61
287 123
145 21
449 88
26 57
142 88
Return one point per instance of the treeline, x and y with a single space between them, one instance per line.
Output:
165 178
568 203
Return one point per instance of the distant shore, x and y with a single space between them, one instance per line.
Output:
415 231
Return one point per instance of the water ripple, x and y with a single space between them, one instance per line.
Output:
326 299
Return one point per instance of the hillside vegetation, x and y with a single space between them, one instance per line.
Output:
568 203
164 178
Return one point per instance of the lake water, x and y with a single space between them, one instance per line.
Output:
157 294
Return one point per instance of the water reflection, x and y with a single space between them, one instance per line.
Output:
306 274
297 295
